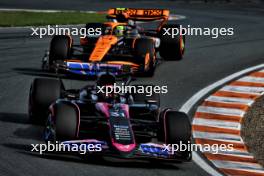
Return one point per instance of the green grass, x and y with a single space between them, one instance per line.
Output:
8 19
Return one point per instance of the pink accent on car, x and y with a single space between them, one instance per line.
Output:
164 124
104 108
78 120
124 148
51 108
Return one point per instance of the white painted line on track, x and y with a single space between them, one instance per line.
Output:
252 79
221 111
230 100
217 123
176 17
244 89
218 136
43 11
230 91
237 153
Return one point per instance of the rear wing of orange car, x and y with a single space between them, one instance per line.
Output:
139 14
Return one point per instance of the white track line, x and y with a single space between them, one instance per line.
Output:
187 106
217 123
205 150
42 11
221 111
218 136
252 79
236 153
176 17
244 89
230 100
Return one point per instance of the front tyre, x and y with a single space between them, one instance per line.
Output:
63 122
43 92
176 129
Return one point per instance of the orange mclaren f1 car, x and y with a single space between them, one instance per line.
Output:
121 45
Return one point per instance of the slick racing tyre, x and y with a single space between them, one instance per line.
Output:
43 92
175 128
171 47
63 122
144 53
60 48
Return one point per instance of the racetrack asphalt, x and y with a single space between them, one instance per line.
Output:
206 61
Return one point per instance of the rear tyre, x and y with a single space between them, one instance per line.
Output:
176 129
171 48
43 93
60 49
144 52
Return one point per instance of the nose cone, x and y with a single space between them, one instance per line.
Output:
124 148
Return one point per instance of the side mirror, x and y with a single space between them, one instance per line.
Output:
151 101
152 104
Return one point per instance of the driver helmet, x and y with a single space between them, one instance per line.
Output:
131 23
119 31
106 80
